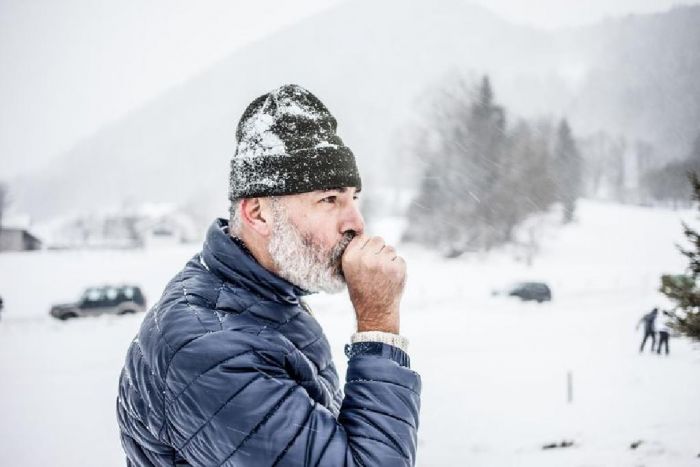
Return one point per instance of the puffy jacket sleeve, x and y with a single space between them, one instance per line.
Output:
231 400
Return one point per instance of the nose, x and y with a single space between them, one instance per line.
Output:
352 219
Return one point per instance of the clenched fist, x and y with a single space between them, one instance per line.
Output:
375 275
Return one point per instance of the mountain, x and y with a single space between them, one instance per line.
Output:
372 63
644 78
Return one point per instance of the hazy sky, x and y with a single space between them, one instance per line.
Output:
71 66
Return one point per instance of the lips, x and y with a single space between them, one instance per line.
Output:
337 252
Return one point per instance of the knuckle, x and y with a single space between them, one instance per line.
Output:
377 240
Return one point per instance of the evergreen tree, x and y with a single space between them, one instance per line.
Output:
668 182
454 209
480 180
486 161
568 174
682 289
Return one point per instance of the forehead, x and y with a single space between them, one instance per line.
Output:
310 198
350 190
343 189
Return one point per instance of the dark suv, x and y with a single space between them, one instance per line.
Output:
112 300
536 291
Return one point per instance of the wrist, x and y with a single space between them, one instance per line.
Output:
368 326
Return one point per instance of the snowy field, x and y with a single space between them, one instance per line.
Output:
494 370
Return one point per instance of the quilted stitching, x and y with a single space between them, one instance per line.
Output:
229 368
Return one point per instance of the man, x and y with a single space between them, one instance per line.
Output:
661 326
648 321
230 367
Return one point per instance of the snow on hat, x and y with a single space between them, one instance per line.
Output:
287 144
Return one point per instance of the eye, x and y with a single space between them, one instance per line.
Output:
329 199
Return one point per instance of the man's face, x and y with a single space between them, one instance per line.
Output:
309 234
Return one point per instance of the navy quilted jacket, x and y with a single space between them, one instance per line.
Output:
229 368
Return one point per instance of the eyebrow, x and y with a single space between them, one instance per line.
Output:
341 189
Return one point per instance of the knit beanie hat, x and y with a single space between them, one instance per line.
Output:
286 144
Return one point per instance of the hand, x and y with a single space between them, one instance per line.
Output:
376 276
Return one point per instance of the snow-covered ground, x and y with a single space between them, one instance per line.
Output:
494 370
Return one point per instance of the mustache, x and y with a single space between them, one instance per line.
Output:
339 249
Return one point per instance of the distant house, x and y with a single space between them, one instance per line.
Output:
139 226
18 239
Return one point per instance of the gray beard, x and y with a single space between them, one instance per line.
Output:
303 262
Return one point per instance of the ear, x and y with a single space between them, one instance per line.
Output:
256 215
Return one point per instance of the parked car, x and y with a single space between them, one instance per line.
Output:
528 291
108 299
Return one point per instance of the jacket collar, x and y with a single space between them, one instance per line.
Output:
230 260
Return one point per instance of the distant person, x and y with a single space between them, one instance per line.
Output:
662 328
1 308
648 321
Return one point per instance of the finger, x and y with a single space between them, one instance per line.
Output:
389 250
375 243
362 241
357 243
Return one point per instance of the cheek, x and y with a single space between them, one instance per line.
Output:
323 226
326 238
